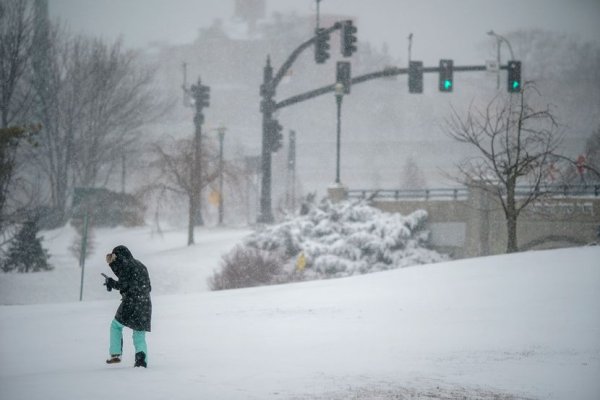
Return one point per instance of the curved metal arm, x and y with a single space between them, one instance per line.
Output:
288 63
331 88
501 38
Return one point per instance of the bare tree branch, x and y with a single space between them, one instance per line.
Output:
516 142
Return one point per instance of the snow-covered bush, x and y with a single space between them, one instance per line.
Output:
344 239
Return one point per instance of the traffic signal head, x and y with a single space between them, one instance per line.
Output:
514 76
348 38
205 95
321 46
446 83
343 75
275 137
415 77
201 95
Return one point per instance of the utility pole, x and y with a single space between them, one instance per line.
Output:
221 131
199 92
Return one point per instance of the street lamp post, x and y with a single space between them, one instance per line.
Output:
499 40
221 131
339 95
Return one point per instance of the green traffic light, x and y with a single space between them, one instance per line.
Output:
447 84
515 85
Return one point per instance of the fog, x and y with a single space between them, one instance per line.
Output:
441 28
383 126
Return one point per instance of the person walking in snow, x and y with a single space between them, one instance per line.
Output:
135 311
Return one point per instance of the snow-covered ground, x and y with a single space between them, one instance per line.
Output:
517 326
174 267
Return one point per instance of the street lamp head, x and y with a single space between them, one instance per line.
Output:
499 40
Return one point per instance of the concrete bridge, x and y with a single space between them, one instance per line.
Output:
470 222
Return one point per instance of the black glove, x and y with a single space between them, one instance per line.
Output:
109 282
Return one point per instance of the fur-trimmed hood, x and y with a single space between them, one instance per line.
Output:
122 253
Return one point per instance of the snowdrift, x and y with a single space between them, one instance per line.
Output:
521 326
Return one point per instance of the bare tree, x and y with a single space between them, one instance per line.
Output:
514 141
16 32
121 101
10 139
174 163
60 84
93 101
16 36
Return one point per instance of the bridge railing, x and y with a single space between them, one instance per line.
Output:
414 194
563 190
462 193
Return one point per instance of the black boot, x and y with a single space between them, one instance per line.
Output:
140 359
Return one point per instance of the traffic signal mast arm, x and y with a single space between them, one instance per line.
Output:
288 63
393 71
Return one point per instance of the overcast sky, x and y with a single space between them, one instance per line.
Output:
441 28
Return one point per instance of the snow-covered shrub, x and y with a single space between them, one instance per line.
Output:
246 267
345 239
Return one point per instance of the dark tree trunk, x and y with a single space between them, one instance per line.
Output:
511 217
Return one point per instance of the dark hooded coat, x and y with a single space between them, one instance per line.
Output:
135 311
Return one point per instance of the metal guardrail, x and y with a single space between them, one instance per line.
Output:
415 194
463 192
563 190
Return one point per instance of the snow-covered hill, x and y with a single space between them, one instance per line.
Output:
174 267
516 326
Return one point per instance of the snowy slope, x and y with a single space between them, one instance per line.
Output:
517 326
174 267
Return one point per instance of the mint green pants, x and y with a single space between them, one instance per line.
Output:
116 339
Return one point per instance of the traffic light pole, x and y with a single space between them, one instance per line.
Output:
197 174
266 215
268 107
